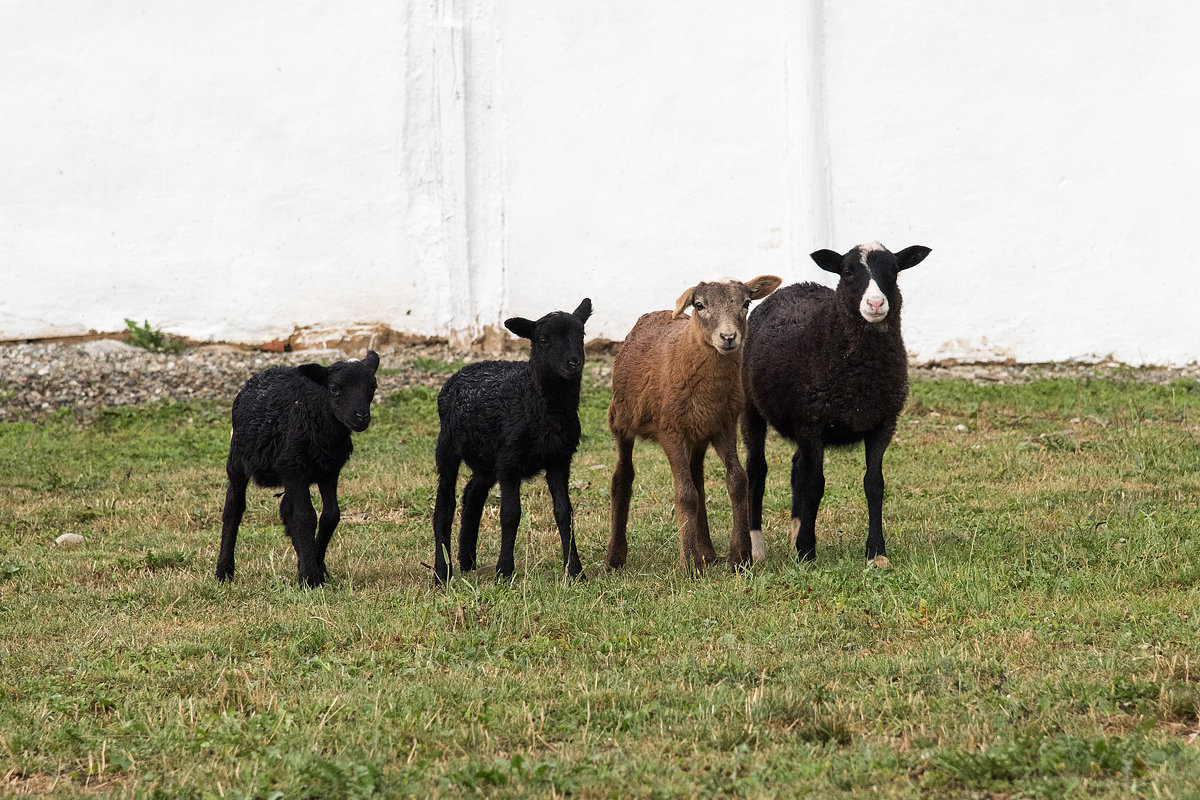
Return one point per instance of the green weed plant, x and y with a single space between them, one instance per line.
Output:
150 338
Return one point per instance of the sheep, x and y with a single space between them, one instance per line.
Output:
827 367
677 381
291 429
509 420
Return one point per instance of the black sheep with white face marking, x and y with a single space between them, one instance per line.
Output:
867 284
509 420
291 429
827 367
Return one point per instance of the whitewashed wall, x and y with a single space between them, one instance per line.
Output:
234 171
1045 150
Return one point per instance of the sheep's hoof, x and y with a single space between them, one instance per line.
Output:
879 562
758 546
740 557
313 580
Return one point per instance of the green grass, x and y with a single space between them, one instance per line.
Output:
1035 636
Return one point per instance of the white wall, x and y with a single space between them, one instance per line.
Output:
644 144
227 170
233 171
1045 151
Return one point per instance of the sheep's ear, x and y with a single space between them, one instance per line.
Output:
585 310
521 327
763 285
371 360
314 372
911 256
683 302
828 260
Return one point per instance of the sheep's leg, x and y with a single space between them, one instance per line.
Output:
443 513
740 547
558 481
686 500
474 496
231 518
876 443
754 433
808 487
331 514
622 491
703 536
300 522
510 518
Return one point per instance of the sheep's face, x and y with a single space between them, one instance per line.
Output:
721 306
556 341
868 277
350 386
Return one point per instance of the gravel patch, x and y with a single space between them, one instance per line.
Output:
37 378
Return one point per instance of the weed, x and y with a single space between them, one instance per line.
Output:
436 366
152 339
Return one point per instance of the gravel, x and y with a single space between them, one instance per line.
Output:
38 378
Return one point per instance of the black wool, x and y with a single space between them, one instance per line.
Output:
291 429
828 367
508 421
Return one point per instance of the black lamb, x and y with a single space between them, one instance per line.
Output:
291 429
827 367
509 420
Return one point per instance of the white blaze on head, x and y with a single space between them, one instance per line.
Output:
874 304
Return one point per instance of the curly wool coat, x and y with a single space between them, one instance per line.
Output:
291 429
827 367
509 421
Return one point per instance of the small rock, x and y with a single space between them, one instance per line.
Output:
961 428
880 562
69 540
101 347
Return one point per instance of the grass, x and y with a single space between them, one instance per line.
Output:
1035 636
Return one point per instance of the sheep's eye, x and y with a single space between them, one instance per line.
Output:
543 340
698 305
746 304
335 391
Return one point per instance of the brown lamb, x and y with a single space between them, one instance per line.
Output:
677 381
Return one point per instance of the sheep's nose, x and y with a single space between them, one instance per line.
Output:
573 362
875 304
729 338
